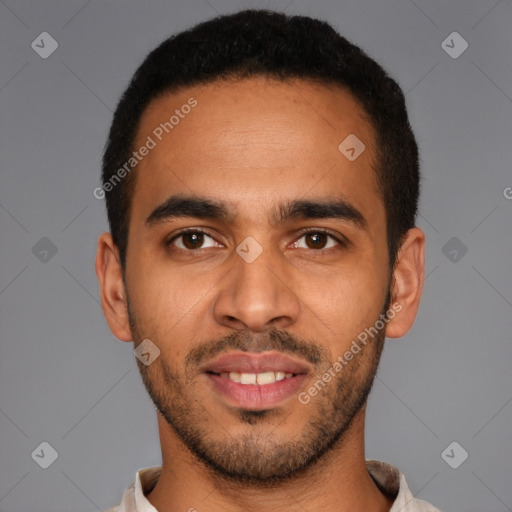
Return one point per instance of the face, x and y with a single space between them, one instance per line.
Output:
257 255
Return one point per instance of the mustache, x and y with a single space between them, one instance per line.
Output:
246 341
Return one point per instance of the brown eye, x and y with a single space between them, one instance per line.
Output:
192 240
316 240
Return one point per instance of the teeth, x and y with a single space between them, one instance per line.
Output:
248 378
234 376
256 378
266 378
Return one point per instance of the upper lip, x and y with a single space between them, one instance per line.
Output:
244 362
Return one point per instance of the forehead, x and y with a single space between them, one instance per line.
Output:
254 141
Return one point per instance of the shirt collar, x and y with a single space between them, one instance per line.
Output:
389 479
145 480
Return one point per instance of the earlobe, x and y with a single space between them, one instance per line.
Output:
112 292
407 283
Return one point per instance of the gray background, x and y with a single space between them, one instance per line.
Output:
65 380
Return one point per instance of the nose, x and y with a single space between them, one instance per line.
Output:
257 296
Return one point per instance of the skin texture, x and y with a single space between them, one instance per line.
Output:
253 145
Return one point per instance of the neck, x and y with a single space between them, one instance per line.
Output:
339 481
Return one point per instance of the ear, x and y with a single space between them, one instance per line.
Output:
112 292
407 283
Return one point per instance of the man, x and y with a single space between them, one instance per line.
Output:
261 182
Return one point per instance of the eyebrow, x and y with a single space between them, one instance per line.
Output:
188 206
322 209
178 206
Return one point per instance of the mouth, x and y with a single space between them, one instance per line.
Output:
255 381
262 379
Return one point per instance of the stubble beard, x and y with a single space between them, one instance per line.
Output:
263 456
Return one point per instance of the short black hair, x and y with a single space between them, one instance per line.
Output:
267 43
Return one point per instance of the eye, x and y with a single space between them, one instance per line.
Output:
192 239
317 240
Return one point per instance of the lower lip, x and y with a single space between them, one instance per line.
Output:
254 396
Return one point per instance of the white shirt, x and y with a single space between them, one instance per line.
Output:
389 479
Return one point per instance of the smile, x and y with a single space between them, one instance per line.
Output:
262 379
255 381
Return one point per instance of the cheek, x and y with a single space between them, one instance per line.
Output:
354 291
166 298
346 301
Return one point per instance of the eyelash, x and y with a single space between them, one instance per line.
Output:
339 240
